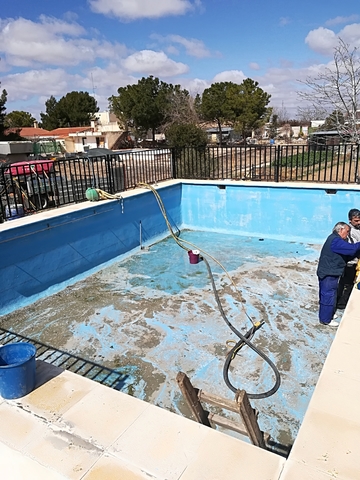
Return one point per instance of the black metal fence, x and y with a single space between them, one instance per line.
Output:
32 186
279 163
35 185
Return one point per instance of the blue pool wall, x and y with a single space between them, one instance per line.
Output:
38 257
47 252
283 213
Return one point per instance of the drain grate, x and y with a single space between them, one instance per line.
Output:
86 368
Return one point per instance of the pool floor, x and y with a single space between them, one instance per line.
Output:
154 314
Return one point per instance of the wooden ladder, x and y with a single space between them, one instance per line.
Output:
248 425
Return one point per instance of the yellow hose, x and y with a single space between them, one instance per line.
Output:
105 195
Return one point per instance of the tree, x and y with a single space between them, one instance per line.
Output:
50 120
3 99
282 114
19 118
215 104
181 109
75 109
243 106
333 120
337 89
190 154
143 106
274 125
250 109
186 135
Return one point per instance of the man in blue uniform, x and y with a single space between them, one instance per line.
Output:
335 253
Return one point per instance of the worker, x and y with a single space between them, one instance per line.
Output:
347 279
334 255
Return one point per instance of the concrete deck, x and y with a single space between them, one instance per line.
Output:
70 427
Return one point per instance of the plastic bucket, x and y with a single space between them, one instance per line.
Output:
17 369
194 256
14 211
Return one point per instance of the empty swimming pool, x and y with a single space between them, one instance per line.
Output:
153 314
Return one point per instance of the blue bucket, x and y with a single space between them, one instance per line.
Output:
17 369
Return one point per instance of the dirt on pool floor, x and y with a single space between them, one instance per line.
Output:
154 314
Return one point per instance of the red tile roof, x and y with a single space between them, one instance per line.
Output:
65 132
29 132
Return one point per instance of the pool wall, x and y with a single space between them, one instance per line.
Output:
42 252
283 213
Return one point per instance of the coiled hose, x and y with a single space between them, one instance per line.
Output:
244 339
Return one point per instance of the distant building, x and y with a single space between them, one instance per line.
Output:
323 138
317 123
228 135
104 132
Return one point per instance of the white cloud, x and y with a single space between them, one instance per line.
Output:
322 40
236 76
284 21
351 34
154 63
339 20
135 9
22 86
254 66
193 46
195 85
25 43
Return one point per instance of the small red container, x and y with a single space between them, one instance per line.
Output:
194 256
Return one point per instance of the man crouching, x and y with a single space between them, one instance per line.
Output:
335 253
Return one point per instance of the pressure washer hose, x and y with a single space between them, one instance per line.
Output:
244 339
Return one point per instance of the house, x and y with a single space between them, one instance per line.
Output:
103 132
228 135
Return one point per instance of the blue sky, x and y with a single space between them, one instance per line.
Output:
52 48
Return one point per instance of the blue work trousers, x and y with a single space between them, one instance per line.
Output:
328 287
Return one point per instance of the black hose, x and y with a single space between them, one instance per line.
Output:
244 340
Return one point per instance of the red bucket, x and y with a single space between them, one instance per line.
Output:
194 256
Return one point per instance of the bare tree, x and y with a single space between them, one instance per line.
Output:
181 109
336 91
281 113
306 114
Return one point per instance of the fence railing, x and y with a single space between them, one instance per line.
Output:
28 187
35 185
331 164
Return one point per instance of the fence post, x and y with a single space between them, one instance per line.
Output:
357 173
110 181
277 163
173 162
